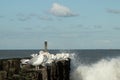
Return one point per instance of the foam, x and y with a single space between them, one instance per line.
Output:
104 69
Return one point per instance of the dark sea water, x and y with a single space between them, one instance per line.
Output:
22 53
81 54
100 64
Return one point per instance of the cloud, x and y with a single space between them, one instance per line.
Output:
80 25
113 11
1 16
28 28
69 35
116 28
104 41
45 18
61 11
20 15
97 26
23 17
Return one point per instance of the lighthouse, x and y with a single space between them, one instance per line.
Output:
45 46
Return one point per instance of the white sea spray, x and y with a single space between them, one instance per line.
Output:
104 69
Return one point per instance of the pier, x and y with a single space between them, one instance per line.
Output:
11 69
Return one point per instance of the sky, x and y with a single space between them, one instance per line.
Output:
65 24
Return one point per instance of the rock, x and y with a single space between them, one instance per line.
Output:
66 71
52 71
1 67
5 65
16 77
35 74
3 75
59 70
10 69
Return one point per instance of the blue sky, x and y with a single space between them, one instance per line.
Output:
65 24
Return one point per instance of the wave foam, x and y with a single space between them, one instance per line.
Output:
105 69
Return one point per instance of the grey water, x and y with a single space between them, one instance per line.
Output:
5 54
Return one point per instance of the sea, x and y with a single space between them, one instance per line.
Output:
86 64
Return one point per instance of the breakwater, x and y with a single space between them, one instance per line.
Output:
12 69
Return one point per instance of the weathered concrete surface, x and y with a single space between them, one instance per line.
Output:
10 69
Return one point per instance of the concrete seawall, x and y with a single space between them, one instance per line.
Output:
11 69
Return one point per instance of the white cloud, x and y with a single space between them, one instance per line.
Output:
61 11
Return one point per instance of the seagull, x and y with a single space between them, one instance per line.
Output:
33 55
24 61
44 58
62 56
66 56
59 56
41 52
51 58
47 57
38 60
